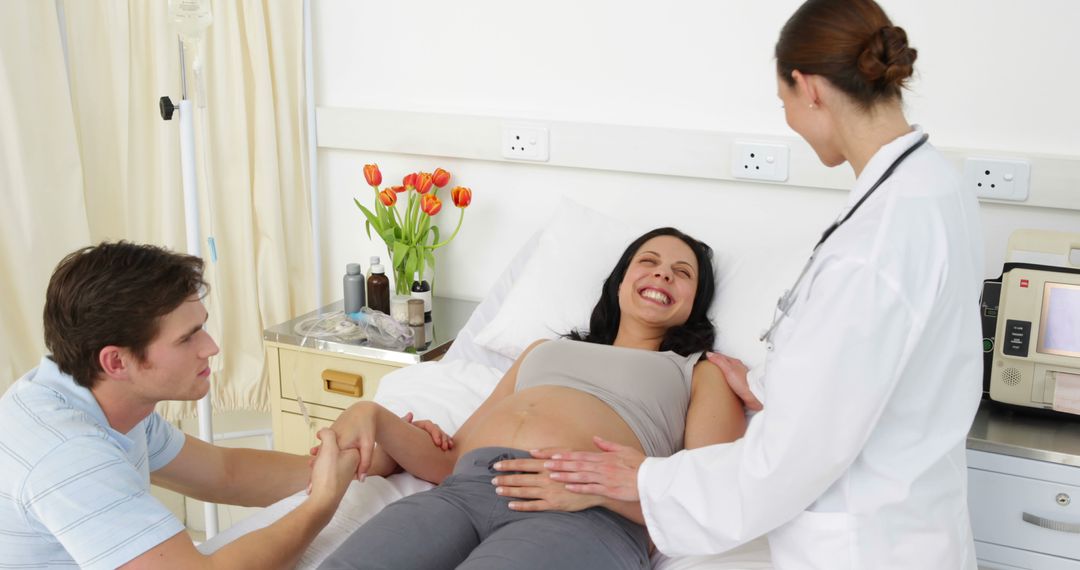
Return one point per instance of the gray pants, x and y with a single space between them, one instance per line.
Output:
462 523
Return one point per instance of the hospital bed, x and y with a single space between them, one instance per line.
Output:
548 288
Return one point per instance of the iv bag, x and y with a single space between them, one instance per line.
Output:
192 17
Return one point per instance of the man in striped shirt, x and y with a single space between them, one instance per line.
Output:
80 442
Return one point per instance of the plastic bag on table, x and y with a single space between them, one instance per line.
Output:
382 330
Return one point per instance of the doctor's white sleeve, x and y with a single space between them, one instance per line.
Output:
827 382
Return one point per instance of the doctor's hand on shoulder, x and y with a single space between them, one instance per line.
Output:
735 372
610 473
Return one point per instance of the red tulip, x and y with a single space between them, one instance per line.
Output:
398 189
440 178
462 196
430 204
409 181
388 197
423 182
372 174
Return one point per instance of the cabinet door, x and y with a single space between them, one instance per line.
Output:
296 436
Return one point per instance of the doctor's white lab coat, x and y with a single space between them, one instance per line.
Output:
857 460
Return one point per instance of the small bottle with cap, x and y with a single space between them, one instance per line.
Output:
353 288
421 290
372 262
416 323
378 290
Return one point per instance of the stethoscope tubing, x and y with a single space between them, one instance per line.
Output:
788 297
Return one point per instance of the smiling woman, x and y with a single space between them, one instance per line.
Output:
635 377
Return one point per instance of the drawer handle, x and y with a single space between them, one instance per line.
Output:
344 383
1051 524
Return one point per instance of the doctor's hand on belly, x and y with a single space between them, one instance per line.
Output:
529 479
611 473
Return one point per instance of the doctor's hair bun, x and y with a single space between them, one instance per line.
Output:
852 44
886 62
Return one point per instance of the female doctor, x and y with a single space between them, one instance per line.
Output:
873 370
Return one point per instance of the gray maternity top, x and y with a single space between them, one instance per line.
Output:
649 390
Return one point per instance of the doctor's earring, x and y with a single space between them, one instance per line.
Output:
813 106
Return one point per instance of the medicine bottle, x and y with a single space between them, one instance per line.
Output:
353 284
421 290
372 262
378 290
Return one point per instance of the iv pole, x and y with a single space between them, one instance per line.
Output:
191 217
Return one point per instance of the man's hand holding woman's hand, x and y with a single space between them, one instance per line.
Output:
331 471
355 429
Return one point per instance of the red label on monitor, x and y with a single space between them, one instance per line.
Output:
1023 283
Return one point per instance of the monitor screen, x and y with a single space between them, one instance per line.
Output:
1059 328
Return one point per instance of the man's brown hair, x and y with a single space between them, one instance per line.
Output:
113 294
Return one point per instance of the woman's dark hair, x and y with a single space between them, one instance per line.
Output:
113 294
851 43
695 335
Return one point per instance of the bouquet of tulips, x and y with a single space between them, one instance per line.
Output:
409 234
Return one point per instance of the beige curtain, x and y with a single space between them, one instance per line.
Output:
252 165
40 177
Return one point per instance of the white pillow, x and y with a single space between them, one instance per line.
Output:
556 291
465 346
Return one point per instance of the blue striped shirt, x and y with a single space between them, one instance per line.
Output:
74 491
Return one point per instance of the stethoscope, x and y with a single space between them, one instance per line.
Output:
783 304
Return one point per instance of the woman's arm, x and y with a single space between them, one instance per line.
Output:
366 423
716 413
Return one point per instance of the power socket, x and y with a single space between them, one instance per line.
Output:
998 178
759 161
524 142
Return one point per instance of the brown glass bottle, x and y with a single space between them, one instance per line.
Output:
378 290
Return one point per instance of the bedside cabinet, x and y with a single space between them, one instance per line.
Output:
1024 490
324 375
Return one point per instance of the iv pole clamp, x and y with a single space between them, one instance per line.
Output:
166 108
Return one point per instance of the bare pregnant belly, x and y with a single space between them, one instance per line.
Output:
548 416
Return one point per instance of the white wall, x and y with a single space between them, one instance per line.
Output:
992 75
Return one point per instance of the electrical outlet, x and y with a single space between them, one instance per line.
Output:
998 178
524 142
759 161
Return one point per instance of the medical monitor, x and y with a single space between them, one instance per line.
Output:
1059 324
1036 360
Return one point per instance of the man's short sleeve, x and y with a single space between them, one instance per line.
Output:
97 505
163 441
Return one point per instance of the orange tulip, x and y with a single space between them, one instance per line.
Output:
398 189
440 178
388 197
430 204
409 181
423 182
462 196
372 174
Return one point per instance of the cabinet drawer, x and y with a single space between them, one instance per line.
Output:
309 374
995 557
1008 510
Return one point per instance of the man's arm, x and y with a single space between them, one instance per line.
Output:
280 544
246 477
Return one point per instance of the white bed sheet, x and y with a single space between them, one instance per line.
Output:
446 393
